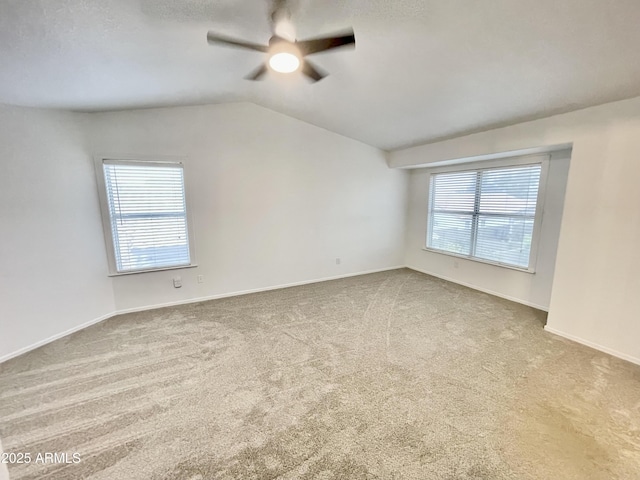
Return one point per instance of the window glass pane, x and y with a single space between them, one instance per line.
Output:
486 213
451 232
510 190
504 239
454 191
148 216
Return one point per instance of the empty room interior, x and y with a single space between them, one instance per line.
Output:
300 239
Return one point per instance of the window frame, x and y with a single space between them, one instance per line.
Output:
106 217
542 160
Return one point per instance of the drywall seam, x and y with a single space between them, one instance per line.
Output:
184 302
593 345
480 289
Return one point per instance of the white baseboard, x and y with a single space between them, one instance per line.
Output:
593 345
480 289
184 302
53 338
254 290
573 338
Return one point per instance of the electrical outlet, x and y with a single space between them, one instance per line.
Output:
200 278
338 261
177 282
455 264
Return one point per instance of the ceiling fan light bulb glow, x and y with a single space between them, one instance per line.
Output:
284 62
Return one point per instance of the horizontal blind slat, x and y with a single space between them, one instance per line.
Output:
501 205
148 215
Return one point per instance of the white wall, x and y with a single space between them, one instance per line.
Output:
594 297
273 200
52 269
530 289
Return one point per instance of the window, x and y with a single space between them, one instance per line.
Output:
486 214
145 215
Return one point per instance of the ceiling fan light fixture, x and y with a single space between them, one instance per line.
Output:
284 53
284 62
284 29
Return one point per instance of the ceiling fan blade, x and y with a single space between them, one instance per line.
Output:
312 72
316 45
214 38
257 74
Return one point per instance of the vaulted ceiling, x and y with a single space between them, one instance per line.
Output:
422 69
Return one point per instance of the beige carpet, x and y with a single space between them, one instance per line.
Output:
394 375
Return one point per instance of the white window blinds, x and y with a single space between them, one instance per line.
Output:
147 212
487 214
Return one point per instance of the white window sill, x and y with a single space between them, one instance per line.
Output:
480 260
134 272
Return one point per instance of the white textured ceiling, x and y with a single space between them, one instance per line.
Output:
422 69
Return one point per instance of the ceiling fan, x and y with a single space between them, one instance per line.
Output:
285 54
